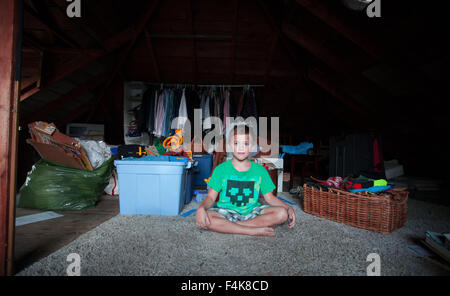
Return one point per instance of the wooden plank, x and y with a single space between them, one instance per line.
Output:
66 98
152 54
8 115
37 240
324 81
194 43
233 42
321 52
344 26
140 26
48 27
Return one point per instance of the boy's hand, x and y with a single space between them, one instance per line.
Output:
202 218
291 216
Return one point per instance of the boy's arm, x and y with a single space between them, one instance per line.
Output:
202 218
209 200
272 200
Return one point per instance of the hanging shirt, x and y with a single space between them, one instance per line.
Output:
182 111
159 119
207 122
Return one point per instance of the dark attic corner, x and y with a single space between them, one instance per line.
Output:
115 127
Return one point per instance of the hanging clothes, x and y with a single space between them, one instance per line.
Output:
249 108
207 116
226 110
182 111
159 119
240 104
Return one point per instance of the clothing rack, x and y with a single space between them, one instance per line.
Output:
204 85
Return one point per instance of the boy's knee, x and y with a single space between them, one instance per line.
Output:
282 215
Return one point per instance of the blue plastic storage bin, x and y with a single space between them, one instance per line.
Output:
151 187
204 166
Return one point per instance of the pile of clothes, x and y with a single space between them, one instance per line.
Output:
354 185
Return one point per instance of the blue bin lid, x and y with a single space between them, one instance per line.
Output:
165 163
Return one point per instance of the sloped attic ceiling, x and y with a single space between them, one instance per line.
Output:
362 63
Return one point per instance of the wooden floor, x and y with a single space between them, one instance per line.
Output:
38 240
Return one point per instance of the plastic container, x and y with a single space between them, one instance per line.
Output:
204 166
189 182
151 187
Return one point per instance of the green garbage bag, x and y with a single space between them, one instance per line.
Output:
52 186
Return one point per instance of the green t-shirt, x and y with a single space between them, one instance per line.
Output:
239 191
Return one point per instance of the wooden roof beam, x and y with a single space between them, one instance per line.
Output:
194 43
321 52
292 55
345 27
233 40
137 31
29 11
66 98
152 54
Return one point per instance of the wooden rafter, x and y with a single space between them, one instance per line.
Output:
194 42
152 54
86 30
343 25
324 81
29 11
140 26
66 98
77 63
270 58
299 66
233 41
320 78
321 52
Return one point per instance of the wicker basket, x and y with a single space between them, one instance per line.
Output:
371 212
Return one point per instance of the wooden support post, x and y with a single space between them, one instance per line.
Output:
9 101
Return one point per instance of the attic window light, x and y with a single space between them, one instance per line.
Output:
356 4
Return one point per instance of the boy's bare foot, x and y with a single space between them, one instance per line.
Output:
263 231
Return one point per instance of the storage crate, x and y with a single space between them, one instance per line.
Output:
151 187
205 162
376 213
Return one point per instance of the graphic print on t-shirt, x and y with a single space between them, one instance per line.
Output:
240 192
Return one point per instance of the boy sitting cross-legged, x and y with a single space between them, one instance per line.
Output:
238 183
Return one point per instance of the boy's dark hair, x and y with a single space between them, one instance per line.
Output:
241 129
